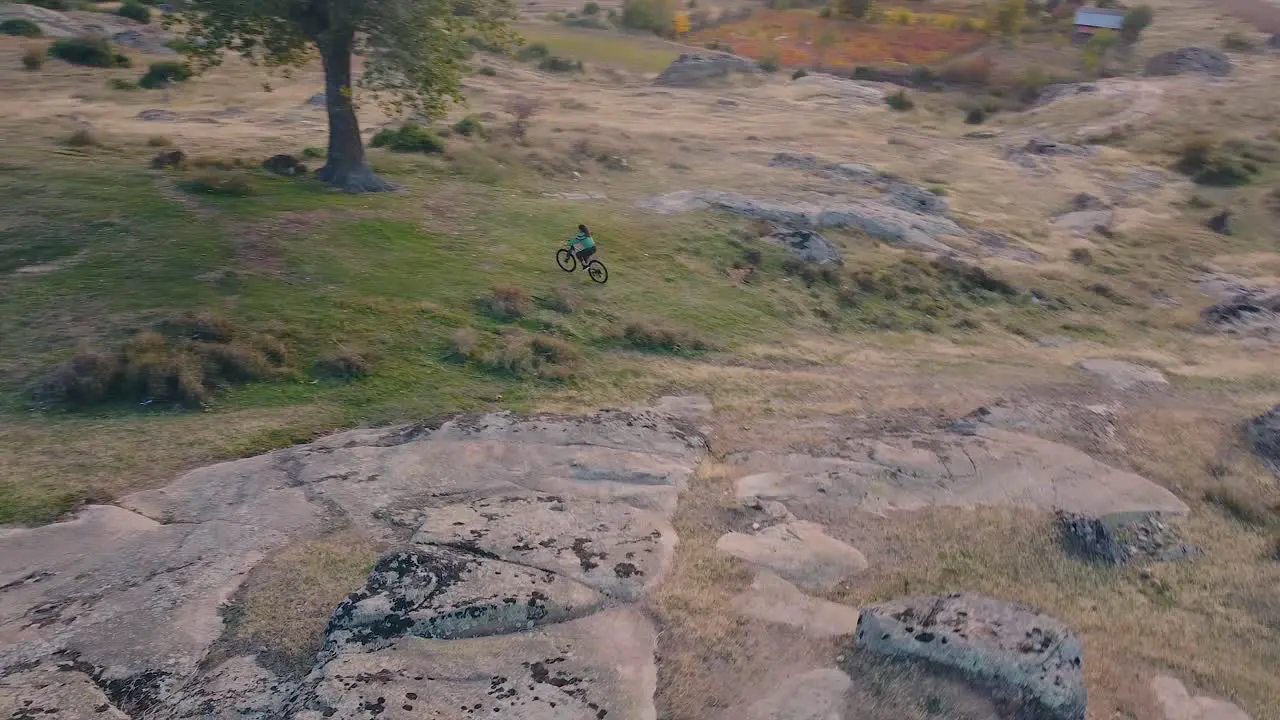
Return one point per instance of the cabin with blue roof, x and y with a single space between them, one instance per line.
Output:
1089 20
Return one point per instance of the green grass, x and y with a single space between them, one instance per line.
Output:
598 47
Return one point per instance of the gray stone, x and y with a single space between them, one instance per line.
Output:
772 599
1264 434
695 70
1014 651
1122 538
800 552
1122 374
897 193
1174 702
1189 60
816 695
158 116
912 471
807 245
1248 312
1041 146
317 101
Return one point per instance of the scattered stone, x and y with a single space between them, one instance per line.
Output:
1253 312
800 552
1174 702
1190 60
1014 651
168 159
772 599
1122 538
807 245
816 695
286 165
317 101
1220 223
697 69
898 193
1041 146
1264 434
1122 374
615 163
158 116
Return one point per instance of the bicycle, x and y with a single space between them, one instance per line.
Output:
568 262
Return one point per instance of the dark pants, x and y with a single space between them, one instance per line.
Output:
585 255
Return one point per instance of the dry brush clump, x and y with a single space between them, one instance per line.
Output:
344 363
652 337
517 352
521 108
507 303
183 361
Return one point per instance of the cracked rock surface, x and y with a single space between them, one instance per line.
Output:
518 545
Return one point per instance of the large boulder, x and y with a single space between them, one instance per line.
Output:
1190 60
698 69
1020 655
1122 538
807 245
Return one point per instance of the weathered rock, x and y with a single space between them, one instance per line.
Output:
317 101
1122 374
1016 652
1264 434
913 471
1220 223
285 164
1174 702
876 219
158 116
1253 312
588 669
800 552
439 592
807 245
1189 60
57 690
897 193
824 89
1122 538
772 599
695 70
816 695
1041 146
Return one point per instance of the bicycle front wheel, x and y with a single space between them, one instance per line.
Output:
566 260
598 272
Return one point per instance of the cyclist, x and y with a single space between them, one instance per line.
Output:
583 245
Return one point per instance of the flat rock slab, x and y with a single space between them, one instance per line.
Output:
1174 702
589 669
799 551
1016 652
772 599
820 694
616 549
1123 538
1122 374
991 467
127 601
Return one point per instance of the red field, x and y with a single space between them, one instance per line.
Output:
798 38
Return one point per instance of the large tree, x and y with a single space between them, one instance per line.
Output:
414 53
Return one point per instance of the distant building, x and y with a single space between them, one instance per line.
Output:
1090 20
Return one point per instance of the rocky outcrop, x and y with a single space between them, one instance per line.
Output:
876 219
1025 658
1123 538
1189 60
896 192
1122 374
510 534
150 39
1251 312
772 599
699 69
800 552
806 245
1264 434
820 694
1174 702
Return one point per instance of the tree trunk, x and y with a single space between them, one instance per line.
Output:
345 167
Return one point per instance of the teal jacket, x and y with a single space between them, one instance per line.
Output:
584 241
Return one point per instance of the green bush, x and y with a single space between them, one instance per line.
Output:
553 63
20 27
487 71
135 10
1207 162
976 116
83 137
315 153
226 183
409 138
865 72
533 51
87 50
768 64
899 101
59 5
164 73
343 364
33 58
799 74
591 8
470 126
653 15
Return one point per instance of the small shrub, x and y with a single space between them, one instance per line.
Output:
59 5
799 74
159 141
205 327
591 8
533 51
20 27
562 300
899 101
409 138
33 58
1237 42
164 73
315 153
554 63
656 338
122 84
971 71
87 50
487 71
976 116
464 346
135 11
470 126
508 303
226 183
1081 256
1208 163
522 108
825 12
83 137
768 64
518 353
343 364
1239 507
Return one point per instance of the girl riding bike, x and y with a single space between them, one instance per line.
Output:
583 245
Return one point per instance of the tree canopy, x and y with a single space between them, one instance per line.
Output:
414 54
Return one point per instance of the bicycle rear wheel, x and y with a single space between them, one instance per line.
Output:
566 260
598 271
